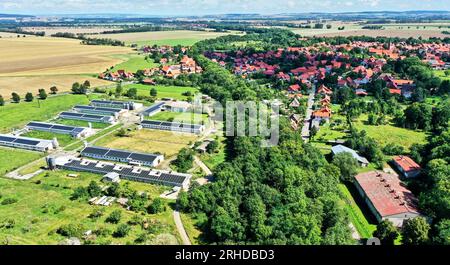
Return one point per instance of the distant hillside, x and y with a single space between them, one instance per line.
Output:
14 16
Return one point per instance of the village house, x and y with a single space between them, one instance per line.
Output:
407 167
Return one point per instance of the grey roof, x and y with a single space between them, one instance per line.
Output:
154 107
122 154
344 149
52 126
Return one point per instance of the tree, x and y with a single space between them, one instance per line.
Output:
94 189
347 165
386 232
42 94
71 230
29 97
153 92
15 97
212 147
157 206
54 90
76 88
2 101
184 160
415 231
114 217
442 236
119 90
313 132
132 92
122 132
122 230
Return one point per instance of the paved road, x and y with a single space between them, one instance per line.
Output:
180 227
308 115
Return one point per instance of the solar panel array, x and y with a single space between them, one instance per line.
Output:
99 110
18 140
55 128
107 154
83 116
154 107
112 104
172 126
128 172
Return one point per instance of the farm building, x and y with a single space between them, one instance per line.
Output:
76 132
129 105
87 117
173 126
177 106
28 143
337 149
151 160
152 110
408 167
128 172
387 197
99 110
111 177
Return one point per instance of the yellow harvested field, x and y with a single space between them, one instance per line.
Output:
150 141
76 30
12 35
401 33
54 56
161 35
31 63
24 84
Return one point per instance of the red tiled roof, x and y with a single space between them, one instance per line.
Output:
395 91
386 192
406 163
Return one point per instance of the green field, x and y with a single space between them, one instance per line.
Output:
44 205
442 75
174 92
358 219
170 42
63 139
17 115
95 125
11 159
187 117
385 134
133 63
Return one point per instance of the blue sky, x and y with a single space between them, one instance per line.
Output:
201 7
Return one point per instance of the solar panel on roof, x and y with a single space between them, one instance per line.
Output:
7 139
72 114
39 124
25 141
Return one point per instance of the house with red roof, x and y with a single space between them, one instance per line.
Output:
324 90
387 197
294 88
408 167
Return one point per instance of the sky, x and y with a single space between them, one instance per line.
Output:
204 7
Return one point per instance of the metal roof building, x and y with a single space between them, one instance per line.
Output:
128 172
98 110
76 132
151 160
387 197
344 149
129 105
27 143
173 126
87 117
152 110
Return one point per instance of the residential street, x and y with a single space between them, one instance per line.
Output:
307 121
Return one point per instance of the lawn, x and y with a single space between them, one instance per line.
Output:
175 92
150 141
442 75
17 115
63 139
385 134
357 217
11 159
187 117
76 123
133 63
44 205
